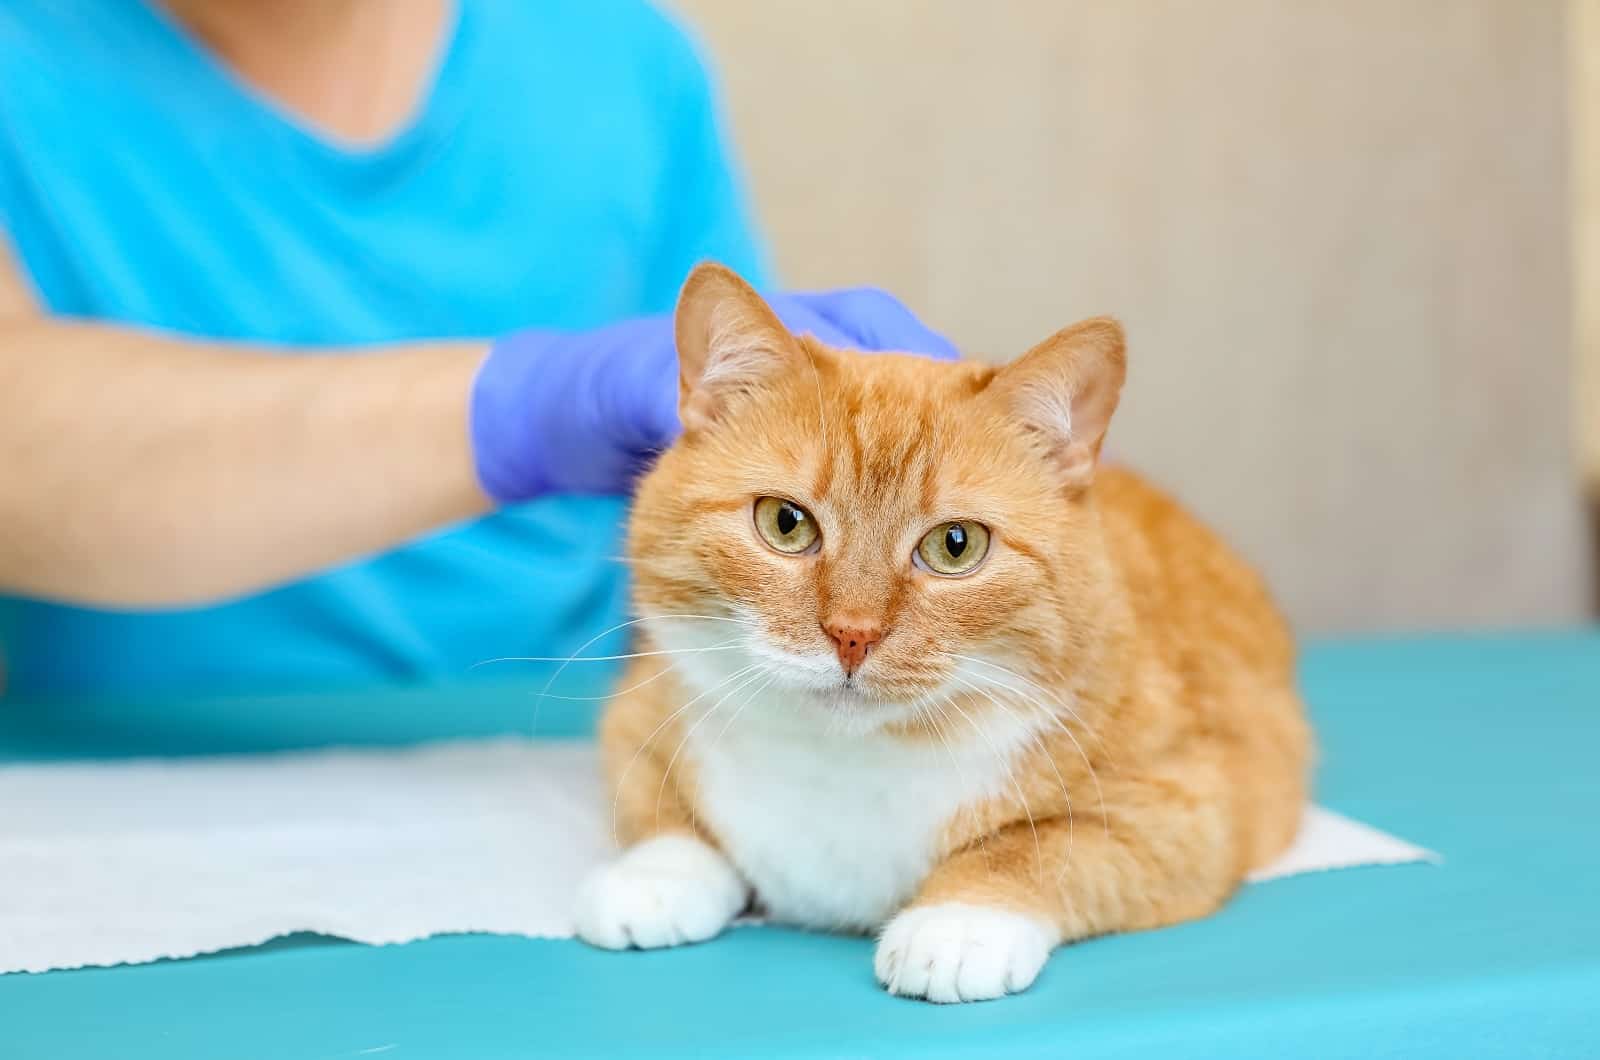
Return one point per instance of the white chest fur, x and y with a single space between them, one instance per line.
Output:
836 830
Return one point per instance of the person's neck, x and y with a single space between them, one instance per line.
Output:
354 69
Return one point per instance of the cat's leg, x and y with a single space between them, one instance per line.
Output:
960 950
984 921
665 891
670 885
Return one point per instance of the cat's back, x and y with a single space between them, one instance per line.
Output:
1195 600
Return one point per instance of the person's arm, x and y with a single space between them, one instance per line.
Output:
139 470
142 470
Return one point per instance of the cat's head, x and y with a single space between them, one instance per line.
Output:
869 532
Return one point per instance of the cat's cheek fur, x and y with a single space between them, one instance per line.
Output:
956 951
665 891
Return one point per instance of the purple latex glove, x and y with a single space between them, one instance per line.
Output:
583 412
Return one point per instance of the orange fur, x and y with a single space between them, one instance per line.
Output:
1171 752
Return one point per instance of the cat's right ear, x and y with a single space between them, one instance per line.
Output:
729 343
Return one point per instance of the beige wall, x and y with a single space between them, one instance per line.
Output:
1336 232
1584 51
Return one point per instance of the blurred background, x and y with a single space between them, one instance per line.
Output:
1356 246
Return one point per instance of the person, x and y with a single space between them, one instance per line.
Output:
252 434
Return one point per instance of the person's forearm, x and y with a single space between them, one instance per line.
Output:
139 470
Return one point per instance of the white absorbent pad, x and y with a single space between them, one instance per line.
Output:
106 863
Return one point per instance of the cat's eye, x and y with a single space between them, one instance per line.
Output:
785 525
953 548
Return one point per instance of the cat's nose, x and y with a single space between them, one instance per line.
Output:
852 638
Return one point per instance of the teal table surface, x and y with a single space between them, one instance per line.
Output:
1480 747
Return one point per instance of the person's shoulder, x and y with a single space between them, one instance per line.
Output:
610 34
46 44
653 29
24 32
75 77
662 42
31 28
614 23
35 43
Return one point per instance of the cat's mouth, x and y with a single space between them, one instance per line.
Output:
842 691
814 682
803 691
856 694
852 689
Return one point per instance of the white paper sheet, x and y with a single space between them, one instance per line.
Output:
127 862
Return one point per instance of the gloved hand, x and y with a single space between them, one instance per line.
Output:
583 412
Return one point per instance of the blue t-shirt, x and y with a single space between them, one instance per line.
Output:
566 169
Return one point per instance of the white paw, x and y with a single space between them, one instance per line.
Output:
959 952
664 892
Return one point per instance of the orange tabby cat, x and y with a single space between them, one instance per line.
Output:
918 667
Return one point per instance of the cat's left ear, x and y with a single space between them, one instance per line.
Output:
1065 390
730 342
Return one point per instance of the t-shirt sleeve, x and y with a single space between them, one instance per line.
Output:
5 169
14 56
11 260
706 207
10 253
5 204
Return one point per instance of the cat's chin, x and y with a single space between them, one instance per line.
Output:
859 704
849 695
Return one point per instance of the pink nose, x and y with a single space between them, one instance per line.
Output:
852 639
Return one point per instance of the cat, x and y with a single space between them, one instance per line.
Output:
916 665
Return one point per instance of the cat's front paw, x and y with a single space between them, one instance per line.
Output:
959 952
664 892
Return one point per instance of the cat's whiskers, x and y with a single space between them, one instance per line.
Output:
1105 820
1041 690
751 698
621 784
1040 698
666 774
1010 774
658 675
1037 742
668 654
578 656
1026 700
935 718
565 659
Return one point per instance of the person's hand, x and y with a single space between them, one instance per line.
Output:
583 412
